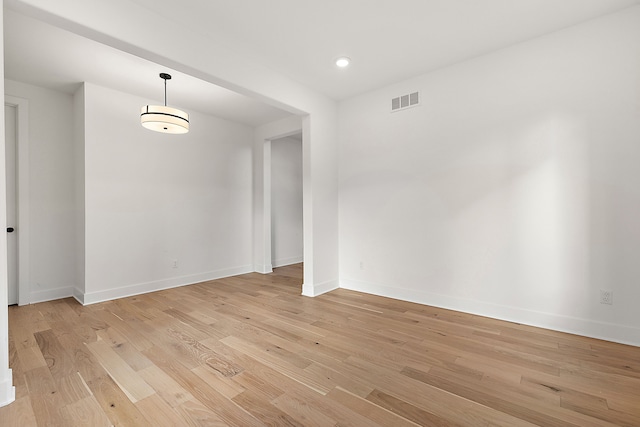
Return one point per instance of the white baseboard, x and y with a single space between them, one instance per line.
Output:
287 261
143 288
319 289
7 389
589 328
78 295
50 294
263 268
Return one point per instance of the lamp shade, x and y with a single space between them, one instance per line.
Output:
161 118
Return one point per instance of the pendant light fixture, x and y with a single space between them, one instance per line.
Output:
161 118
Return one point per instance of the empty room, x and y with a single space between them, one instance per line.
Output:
320 213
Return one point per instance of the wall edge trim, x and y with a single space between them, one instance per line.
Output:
621 334
263 268
50 294
287 261
319 289
159 285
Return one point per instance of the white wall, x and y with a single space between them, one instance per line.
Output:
286 201
512 191
52 214
148 198
153 198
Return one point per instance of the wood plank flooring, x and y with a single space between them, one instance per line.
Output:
250 351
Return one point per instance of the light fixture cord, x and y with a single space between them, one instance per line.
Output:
165 92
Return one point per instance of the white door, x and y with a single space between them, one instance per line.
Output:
12 238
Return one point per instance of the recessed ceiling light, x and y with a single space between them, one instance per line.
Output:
343 61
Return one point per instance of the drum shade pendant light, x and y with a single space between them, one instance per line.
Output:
161 118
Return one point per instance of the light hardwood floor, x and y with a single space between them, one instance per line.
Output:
250 351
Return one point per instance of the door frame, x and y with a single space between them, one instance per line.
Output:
22 180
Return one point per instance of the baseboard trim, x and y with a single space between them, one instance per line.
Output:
174 282
263 269
50 294
7 389
319 289
599 330
78 295
287 261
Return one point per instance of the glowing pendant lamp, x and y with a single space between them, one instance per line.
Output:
161 118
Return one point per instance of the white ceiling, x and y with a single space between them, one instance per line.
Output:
47 56
388 41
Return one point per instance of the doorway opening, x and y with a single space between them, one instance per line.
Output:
286 201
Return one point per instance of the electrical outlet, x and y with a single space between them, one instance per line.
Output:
606 297
174 263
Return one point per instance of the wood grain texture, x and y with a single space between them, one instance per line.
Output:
124 376
250 351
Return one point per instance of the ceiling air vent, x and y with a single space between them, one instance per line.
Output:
405 101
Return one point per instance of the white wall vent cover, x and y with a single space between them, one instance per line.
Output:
405 101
